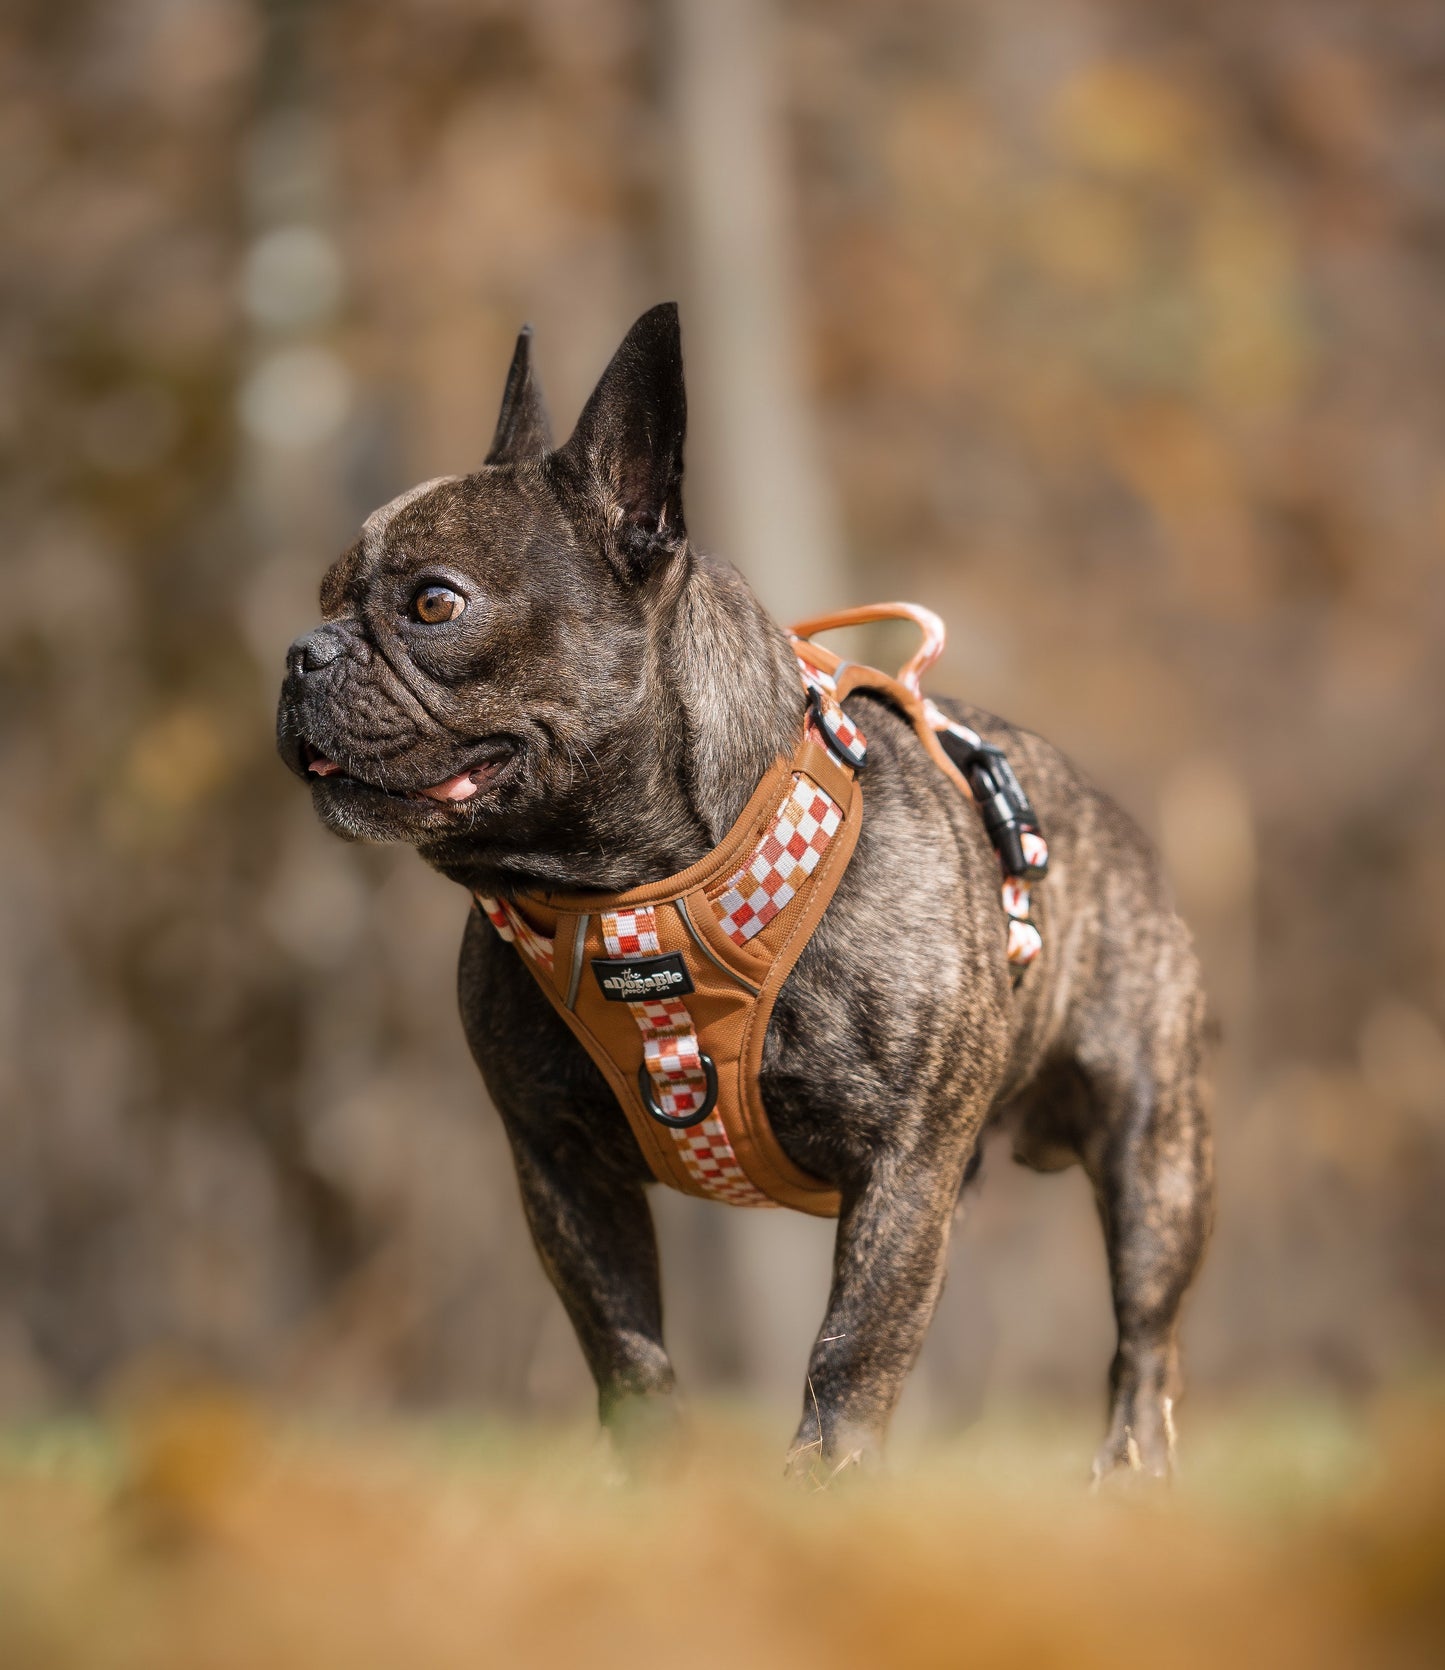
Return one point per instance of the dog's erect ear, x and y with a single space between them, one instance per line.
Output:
626 452
522 427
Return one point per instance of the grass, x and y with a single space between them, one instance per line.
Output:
201 1533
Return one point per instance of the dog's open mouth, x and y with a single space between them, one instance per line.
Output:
451 791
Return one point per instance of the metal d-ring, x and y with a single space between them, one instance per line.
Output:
709 1101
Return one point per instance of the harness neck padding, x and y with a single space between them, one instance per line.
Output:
669 987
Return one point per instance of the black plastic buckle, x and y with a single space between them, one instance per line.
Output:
1007 814
672 1121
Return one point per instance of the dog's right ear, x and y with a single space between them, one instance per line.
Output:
523 430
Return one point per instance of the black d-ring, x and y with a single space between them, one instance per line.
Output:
854 754
709 1101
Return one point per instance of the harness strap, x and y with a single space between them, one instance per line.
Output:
670 986
959 752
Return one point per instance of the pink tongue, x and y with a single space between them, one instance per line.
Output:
460 787
323 768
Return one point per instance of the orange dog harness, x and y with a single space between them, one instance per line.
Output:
669 986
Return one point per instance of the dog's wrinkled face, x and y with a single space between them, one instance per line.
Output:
486 633
452 671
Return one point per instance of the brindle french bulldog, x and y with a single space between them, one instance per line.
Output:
530 675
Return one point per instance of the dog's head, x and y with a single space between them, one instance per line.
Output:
483 643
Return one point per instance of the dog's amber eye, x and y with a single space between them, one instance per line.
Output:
434 604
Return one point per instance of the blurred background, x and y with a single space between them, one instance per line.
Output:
1112 331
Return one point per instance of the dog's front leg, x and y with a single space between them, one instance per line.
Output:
888 1266
593 1231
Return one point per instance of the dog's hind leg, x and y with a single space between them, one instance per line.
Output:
1148 1157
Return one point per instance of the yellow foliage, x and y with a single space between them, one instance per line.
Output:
1126 119
176 760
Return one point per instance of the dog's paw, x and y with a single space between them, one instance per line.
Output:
646 1436
1124 1462
808 1466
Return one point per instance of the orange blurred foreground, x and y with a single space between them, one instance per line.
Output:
214 1541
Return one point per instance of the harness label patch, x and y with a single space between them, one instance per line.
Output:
636 979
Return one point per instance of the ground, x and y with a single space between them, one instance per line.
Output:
204 1532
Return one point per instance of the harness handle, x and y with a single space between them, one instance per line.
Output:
910 674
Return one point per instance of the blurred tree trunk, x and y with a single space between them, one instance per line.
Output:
757 495
756 486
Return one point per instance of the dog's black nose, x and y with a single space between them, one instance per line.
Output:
313 650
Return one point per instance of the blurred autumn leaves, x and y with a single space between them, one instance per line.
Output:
1122 333
1129 362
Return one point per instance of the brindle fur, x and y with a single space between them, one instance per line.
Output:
640 692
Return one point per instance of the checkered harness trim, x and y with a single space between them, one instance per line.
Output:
788 853
517 930
842 728
1024 939
670 1045
673 1058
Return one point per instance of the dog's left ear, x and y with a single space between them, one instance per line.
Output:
625 455
523 430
